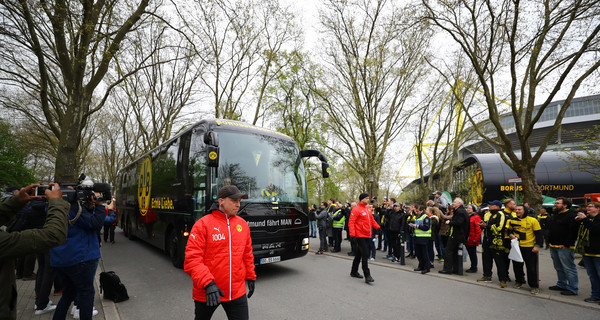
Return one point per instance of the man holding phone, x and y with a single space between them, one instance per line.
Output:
14 244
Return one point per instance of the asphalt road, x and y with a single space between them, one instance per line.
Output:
319 287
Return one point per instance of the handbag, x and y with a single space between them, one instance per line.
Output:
515 252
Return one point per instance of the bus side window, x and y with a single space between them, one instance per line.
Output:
197 171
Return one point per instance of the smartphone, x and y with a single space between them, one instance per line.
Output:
40 191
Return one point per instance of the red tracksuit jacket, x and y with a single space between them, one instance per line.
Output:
220 248
361 222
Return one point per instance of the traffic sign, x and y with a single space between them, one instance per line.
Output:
515 180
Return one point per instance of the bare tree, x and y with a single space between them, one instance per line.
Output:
151 104
375 59
59 52
291 100
238 42
540 46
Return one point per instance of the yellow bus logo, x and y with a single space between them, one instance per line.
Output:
144 185
212 155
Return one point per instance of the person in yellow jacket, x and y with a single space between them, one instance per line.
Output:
338 225
527 229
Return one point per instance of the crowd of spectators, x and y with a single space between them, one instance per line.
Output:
414 230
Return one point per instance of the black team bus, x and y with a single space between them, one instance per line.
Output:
161 195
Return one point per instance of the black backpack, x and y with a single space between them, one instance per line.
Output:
112 287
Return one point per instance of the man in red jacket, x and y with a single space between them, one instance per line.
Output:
360 225
219 258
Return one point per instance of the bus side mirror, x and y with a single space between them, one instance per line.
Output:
325 169
212 156
321 156
211 138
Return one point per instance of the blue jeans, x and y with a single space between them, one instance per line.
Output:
313 228
78 282
592 265
564 264
410 244
439 246
372 247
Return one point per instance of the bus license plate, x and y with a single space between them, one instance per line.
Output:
270 259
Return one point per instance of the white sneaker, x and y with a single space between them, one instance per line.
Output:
49 308
371 259
76 313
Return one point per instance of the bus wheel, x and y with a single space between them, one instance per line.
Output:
176 251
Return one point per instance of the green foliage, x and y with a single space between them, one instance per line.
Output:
13 161
589 160
418 194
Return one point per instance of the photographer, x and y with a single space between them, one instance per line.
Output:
76 261
15 244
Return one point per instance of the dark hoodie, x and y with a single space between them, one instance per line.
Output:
562 229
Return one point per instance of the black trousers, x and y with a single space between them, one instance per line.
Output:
530 260
394 243
235 309
109 230
451 255
353 249
422 255
322 239
337 239
44 280
489 257
25 265
472 251
362 254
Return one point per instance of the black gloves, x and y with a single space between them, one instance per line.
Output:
250 284
212 294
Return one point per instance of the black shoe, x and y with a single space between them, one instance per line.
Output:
568 293
471 271
418 269
445 272
356 275
591 300
369 279
556 288
351 253
425 271
334 251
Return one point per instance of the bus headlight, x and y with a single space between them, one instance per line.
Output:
304 241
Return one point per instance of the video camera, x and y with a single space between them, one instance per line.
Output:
84 191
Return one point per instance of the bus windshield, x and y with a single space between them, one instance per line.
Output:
266 168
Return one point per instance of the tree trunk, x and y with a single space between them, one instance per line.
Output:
531 191
68 144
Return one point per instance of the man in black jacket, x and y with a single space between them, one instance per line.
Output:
395 225
457 234
562 230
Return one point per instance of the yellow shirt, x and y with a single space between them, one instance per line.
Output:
524 230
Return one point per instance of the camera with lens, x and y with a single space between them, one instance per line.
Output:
85 191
